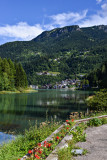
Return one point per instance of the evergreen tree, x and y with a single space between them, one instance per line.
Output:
21 79
6 82
12 74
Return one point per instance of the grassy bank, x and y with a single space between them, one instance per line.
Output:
19 90
19 147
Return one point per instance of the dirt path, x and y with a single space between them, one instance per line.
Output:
96 144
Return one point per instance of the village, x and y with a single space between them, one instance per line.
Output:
68 83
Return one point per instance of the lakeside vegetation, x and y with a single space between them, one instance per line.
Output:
31 143
20 90
12 76
99 101
20 146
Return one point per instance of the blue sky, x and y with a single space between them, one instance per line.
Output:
25 19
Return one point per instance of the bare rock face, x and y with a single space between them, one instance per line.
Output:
103 27
58 31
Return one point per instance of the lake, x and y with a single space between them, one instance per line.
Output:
19 111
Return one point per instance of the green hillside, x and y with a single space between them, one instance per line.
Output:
69 50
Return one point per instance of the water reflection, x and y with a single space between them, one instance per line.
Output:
5 138
17 110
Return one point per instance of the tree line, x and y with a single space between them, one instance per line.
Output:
98 77
12 75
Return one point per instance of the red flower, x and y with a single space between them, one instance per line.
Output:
30 152
36 156
67 121
44 145
39 144
67 127
49 145
72 120
45 142
57 137
40 152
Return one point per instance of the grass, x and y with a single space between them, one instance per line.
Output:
20 146
84 115
19 90
64 154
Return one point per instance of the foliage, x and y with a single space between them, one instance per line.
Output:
98 101
64 154
97 122
94 122
78 133
104 120
69 50
11 75
42 150
98 77
20 146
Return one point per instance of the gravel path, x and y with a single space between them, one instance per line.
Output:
96 144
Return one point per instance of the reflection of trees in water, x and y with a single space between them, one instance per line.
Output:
16 110
10 107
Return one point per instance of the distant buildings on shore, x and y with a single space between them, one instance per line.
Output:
63 84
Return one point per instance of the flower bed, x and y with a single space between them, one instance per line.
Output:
41 151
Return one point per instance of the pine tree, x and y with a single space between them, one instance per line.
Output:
12 74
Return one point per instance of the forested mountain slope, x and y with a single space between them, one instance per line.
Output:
68 50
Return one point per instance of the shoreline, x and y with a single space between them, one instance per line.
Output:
19 91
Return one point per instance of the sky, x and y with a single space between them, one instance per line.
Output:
23 20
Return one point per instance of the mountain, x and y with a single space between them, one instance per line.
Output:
68 50
71 38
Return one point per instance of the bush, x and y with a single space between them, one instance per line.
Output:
78 133
99 101
104 120
94 122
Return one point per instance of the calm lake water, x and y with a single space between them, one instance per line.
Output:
18 111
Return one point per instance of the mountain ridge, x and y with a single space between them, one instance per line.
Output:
67 50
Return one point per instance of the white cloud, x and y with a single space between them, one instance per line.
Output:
21 31
24 31
104 7
64 19
96 19
99 1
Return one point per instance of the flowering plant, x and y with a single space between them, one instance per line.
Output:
43 150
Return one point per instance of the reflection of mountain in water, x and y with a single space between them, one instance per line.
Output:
17 110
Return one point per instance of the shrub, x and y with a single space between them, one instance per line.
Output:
104 120
78 134
94 122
